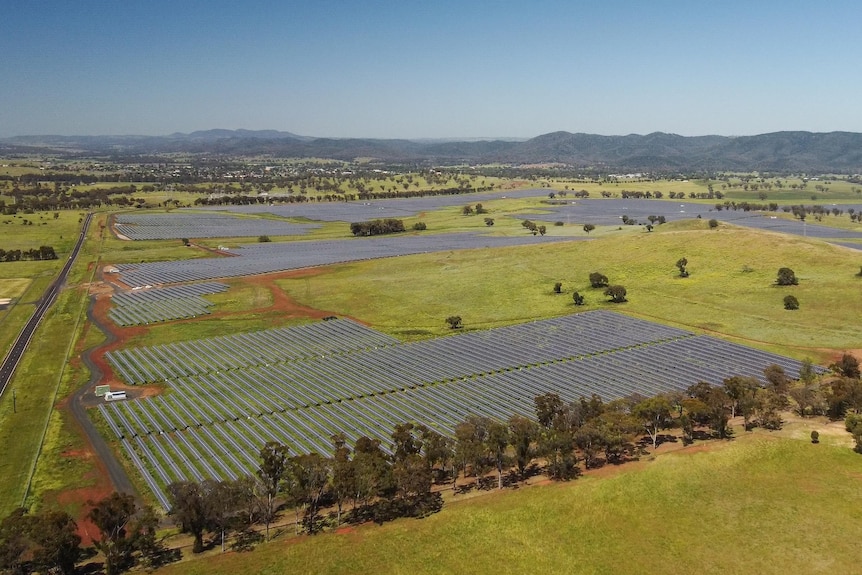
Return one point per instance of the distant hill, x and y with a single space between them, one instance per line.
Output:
780 151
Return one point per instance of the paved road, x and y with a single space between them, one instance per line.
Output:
116 472
13 358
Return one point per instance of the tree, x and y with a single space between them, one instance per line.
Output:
654 414
578 298
522 433
189 508
58 545
791 303
263 239
312 478
786 277
273 468
469 441
454 322
489 222
496 442
111 516
598 280
413 479
542 230
617 293
558 287
372 473
438 449
420 226
467 210
13 540
739 389
404 443
815 436
777 378
548 407
343 473
713 223
847 366
589 227
681 264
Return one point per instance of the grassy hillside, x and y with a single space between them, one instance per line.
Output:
758 504
730 291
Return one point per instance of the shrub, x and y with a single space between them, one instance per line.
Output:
713 223
454 321
616 293
263 239
853 422
578 298
558 287
598 280
790 302
786 277
815 437
419 226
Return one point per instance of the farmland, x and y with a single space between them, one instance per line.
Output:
519 338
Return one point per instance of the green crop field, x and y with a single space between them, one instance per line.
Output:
758 504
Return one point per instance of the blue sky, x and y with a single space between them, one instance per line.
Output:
407 69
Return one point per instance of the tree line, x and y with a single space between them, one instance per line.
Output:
33 254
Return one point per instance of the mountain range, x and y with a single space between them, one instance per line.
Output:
832 152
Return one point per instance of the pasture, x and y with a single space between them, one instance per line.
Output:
731 290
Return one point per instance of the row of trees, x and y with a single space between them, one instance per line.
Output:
377 227
380 483
34 254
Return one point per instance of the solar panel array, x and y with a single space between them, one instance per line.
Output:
174 226
273 257
162 304
217 416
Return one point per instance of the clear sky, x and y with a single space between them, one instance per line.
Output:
409 69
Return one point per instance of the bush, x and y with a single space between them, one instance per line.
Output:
790 302
616 293
419 226
713 224
815 437
786 277
263 239
558 287
853 422
578 298
598 280
454 321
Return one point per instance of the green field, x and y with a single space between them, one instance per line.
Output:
730 291
759 504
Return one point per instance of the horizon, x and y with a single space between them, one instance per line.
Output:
415 139
388 70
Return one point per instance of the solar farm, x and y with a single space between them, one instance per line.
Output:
274 257
207 225
229 395
143 307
